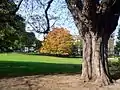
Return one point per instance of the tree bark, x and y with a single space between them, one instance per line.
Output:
95 59
100 65
87 57
95 63
95 22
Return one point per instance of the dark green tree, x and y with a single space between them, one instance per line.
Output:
28 40
13 36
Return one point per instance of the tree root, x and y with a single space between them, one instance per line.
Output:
102 81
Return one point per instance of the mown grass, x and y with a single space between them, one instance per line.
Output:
13 64
38 58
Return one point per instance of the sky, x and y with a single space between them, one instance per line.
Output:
116 31
58 9
65 19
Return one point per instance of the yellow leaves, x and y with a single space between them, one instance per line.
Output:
58 41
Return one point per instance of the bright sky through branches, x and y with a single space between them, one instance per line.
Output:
57 10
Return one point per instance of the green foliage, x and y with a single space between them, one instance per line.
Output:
79 43
13 36
57 42
28 40
10 25
77 48
6 11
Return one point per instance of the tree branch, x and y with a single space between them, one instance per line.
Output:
17 8
78 14
47 18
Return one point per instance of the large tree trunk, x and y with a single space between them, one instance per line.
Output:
95 22
95 64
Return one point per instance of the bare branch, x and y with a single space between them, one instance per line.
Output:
17 8
46 15
77 14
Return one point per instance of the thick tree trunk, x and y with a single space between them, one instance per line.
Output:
95 64
95 22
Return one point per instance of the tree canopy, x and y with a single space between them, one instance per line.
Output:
12 27
57 42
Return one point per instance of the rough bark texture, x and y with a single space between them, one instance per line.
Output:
99 63
87 49
95 65
95 23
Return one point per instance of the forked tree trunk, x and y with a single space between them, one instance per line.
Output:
95 64
95 22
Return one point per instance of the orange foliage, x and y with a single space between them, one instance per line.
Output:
58 42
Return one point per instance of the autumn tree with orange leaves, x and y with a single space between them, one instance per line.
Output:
59 41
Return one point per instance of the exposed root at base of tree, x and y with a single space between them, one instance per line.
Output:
102 82
84 77
99 81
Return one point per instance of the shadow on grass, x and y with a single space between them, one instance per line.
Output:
14 69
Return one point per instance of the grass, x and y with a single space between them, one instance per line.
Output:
13 64
37 58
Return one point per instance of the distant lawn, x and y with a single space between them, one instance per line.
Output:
37 58
13 64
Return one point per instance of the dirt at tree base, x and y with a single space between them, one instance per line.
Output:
52 82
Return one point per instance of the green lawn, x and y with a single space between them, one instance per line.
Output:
38 58
13 64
